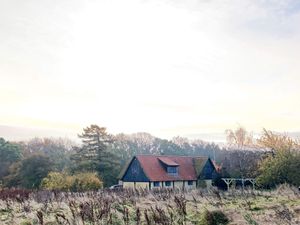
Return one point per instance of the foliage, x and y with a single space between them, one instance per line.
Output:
57 149
9 153
277 142
236 161
240 163
279 169
282 164
29 172
77 182
13 177
95 156
24 164
95 140
106 154
127 146
86 181
56 181
213 218
241 139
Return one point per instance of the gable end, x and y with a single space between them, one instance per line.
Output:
209 171
134 172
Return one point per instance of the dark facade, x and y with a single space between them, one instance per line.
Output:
208 172
135 172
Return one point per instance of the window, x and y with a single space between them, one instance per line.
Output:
168 183
156 184
190 182
172 169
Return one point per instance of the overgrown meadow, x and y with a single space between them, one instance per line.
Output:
166 207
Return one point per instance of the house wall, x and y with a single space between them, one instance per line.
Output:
152 185
178 184
204 183
186 186
162 184
165 186
174 184
144 185
208 183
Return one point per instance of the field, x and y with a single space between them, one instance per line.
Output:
166 207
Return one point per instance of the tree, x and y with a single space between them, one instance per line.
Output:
277 143
241 141
29 172
282 163
95 139
94 155
239 137
9 153
57 149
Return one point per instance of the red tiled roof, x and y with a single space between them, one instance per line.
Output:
168 161
218 167
155 171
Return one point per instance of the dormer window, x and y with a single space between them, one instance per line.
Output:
170 166
172 170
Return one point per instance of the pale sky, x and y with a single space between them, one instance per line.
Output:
167 67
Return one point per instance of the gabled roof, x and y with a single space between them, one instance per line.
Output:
189 168
155 171
199 163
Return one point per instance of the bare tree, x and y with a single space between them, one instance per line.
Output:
241 140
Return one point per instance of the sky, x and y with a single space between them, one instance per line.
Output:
167 67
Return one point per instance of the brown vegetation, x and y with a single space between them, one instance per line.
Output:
165 207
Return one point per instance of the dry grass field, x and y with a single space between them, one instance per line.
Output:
166 207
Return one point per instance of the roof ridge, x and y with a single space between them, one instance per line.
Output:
172 156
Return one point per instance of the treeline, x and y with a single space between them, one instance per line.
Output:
62 164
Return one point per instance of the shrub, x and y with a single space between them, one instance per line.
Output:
282 163
213 218
85 182
279 169
77 182
56 180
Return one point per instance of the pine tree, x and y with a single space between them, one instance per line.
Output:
94 155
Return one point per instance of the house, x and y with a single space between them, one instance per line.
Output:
152 171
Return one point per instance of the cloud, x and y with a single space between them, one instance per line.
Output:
264 17
150 65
